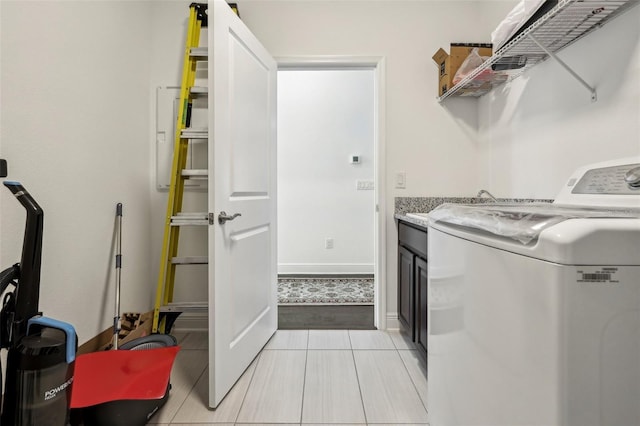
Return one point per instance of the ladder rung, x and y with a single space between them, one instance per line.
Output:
199 52
199 90
185 307
195 173
190 260
190 219
194 133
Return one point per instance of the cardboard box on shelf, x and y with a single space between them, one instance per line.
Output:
139 325
448 63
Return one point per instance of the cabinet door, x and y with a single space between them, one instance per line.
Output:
406 304
421 305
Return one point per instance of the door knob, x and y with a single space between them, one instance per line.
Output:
223 217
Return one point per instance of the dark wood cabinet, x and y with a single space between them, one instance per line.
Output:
421 305
406 311
412 284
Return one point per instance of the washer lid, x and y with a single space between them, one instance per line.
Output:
593 241
521 222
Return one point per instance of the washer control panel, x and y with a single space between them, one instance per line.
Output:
615 180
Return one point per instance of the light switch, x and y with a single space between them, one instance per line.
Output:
364 185
401 180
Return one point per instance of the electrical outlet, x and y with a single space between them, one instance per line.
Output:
328 243
401 180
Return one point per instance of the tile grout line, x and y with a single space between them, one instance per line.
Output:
244 397
355 366
304 377
195 382
413 382
404 364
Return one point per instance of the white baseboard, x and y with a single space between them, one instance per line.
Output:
190 321
326 268
392 321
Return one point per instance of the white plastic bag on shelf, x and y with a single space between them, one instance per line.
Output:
513 21
471 62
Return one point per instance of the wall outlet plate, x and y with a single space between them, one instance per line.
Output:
328 243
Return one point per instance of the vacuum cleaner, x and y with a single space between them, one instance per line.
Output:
41 350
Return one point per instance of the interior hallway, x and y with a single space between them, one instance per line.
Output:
305 377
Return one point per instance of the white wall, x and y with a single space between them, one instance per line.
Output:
74 129
544 124
324 117
438 150
538 129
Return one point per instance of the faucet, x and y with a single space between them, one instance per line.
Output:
488 194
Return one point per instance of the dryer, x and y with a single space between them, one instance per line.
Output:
534 309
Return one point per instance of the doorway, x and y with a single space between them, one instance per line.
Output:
328 196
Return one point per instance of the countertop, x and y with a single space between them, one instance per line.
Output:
405 205
419 222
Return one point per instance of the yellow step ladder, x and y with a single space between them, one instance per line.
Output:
165 311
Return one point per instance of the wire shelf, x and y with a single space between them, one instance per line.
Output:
567 22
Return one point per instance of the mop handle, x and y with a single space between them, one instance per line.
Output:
116 318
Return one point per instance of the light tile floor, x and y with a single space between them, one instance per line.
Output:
302 377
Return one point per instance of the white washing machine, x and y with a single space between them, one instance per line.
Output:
534 309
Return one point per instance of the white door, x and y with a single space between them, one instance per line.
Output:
242 180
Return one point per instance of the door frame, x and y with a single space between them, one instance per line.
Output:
377 64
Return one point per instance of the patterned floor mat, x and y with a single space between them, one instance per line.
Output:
325 291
